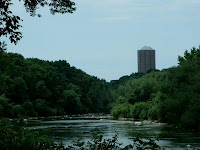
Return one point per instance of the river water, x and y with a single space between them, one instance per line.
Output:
67 129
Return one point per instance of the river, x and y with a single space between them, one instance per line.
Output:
67 129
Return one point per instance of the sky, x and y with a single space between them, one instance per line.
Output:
102 36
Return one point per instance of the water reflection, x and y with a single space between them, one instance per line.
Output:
68 130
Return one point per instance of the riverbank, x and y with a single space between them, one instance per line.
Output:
90 116
142 122
102 117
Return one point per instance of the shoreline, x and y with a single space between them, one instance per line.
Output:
100 118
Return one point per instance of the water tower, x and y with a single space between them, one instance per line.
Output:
146 59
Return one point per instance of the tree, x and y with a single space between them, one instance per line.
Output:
10 23
71 101
41 90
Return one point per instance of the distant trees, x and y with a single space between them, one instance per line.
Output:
33 87
10 23
171 95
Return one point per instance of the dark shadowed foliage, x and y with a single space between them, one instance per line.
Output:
33 87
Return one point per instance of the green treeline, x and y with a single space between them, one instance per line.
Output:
33 87
171 95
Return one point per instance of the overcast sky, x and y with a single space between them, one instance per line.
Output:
102 37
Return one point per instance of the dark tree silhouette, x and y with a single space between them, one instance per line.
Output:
10 23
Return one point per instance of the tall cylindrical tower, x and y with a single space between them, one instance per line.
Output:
146 59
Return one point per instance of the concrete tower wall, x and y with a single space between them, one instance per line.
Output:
146 60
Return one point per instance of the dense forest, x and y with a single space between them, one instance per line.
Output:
33 87
171 95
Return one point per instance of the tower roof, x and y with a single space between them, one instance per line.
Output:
146 48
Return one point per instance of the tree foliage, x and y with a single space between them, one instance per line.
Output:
10 23
170 95
33 87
